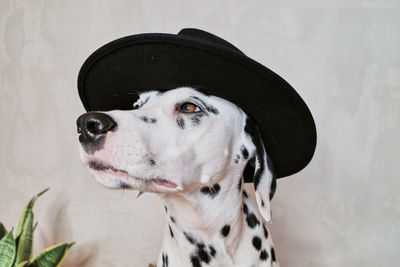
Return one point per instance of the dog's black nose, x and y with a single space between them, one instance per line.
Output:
92 127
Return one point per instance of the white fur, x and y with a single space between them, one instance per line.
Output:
192 157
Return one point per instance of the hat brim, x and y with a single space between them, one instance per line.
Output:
113 76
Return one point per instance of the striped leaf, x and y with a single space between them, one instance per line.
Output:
7 250
24 249
51 257
25 213
3 231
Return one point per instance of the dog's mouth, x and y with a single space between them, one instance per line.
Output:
102 166
164 183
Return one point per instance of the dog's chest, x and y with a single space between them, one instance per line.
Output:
249 244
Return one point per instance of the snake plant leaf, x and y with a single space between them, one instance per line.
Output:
7 250
24 215
51 257
24 249
3 231
34 227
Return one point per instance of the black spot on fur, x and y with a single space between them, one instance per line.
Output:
273 254
124 185
144 118
240 185
244 151
180 122
265 232
166 209
254 134
262 203
225 230
212 251
152 162
245 209
237 157
195 261
170 231
211 191
248 172
252 220
273 184
172 219
148 120
273 188
164 260
202 253
190 238
263 255
256 242
212 109
245 194
196 118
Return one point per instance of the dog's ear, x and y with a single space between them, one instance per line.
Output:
263 175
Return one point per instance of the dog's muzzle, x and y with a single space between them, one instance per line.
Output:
93 127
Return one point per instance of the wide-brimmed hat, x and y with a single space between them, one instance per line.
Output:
113 76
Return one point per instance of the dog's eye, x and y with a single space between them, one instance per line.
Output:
189 108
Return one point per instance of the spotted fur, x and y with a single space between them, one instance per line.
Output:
211 191
196 161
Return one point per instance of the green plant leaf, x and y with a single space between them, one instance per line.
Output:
24 245
51 257
23 264
34 227
24 215
7 250
3 231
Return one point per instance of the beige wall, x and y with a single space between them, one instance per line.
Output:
343 57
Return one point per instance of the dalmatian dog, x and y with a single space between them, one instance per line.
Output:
191 149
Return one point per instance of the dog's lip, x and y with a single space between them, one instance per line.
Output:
164 183
102 166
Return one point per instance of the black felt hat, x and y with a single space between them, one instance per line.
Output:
113 75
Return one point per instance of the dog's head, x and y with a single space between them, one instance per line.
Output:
174 141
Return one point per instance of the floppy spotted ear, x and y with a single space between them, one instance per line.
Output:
263 177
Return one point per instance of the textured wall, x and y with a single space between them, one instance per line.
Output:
342 57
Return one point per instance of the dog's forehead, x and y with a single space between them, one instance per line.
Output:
171 95
183 93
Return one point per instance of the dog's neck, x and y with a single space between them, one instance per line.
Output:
211 216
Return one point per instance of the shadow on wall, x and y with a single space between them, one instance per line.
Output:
59 231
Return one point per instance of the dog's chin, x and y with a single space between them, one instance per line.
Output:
115 178
114 181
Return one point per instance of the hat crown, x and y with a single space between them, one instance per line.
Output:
199 34
150 61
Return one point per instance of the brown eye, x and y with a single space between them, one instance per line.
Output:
189 108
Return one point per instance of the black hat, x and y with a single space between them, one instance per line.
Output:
113 76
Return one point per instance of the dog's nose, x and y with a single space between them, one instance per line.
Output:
92 127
